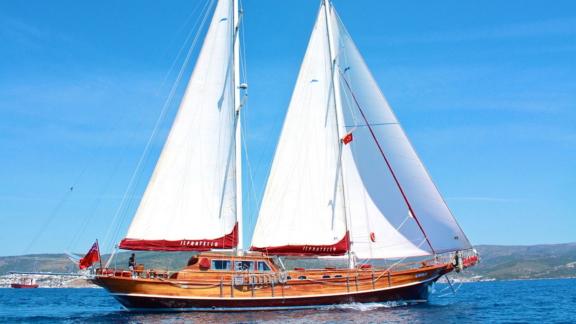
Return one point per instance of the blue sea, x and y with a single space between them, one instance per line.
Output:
528 301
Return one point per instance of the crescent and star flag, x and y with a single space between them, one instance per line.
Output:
348 138
92 256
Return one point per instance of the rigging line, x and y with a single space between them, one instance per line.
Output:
123 154
250 171
125 206
68 193
157 124
48 220
98 200
402 223
134 198
397 262
349 106
90 216
192 14
388 164
454 291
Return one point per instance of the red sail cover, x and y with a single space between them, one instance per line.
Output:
339 248
91 257
228 241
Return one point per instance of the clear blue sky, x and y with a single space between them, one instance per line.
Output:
486 90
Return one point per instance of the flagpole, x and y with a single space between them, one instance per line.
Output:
99 256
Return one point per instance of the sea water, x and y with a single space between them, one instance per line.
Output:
525 301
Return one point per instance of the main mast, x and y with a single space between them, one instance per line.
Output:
335 90
238 131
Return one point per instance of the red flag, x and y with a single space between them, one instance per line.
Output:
347 139
92 256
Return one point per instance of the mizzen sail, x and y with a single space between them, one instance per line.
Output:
190 201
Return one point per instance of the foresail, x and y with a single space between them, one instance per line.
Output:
302 211
373 234
395 208
190 201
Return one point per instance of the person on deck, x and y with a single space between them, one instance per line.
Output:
132 262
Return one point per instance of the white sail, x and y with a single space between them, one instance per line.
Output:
190 201
372 234
373 190
382 224
302 211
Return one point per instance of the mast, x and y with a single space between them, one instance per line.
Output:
336 89
238 131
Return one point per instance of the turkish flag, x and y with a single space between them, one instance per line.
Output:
92 256
347 139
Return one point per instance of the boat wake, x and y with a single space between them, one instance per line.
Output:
364 307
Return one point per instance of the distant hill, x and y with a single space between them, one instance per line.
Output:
497 262
61 262
525 262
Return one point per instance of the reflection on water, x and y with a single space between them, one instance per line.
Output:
373 312
512 301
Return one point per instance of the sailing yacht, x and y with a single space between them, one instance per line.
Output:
345 183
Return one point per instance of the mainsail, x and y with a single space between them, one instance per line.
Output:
191 200
372 196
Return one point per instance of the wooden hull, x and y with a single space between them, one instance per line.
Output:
223 291
413 293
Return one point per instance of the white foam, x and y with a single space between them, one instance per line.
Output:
363 307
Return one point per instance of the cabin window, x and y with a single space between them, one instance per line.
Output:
302 277
288 278
221 264
263 266
243 265
326 277
338 276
